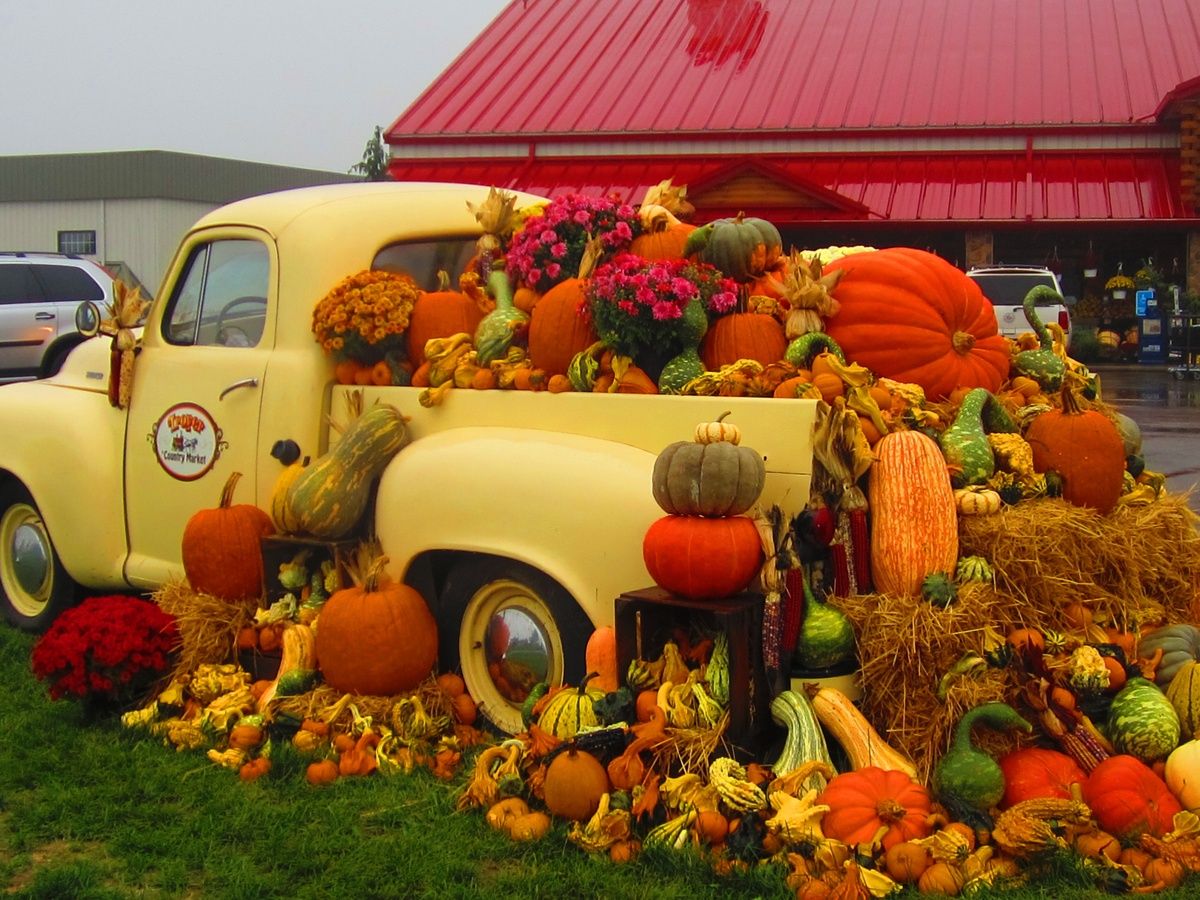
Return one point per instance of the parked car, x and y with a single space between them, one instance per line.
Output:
39 293
1006 287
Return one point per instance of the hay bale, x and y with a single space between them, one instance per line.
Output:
208 626
1136 564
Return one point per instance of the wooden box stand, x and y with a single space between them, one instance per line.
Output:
655 613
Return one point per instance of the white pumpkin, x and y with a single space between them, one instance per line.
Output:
1182 774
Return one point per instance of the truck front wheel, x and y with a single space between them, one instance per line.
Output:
509 626
34 585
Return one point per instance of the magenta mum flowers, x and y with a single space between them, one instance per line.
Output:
548 247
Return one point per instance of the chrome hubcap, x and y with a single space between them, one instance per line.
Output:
27 569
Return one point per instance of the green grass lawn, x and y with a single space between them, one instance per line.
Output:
90 809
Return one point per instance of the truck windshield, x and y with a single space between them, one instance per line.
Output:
423 260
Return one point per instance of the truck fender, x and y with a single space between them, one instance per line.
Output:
571 510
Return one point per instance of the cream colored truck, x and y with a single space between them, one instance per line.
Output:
526 508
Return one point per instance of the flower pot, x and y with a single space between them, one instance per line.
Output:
1090 273
1119 294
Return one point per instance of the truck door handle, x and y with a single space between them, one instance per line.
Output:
43 316
245 382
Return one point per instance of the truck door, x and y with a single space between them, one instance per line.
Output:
197 390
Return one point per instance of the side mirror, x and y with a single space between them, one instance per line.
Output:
87 318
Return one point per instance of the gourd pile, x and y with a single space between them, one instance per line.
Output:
1030 683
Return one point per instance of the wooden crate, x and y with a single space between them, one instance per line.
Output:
655 613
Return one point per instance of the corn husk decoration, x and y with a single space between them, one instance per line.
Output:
808 293
840 446
497 216
124 313
670 197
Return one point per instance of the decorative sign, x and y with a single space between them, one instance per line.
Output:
1144 304
186 441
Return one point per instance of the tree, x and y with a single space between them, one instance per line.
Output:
374 165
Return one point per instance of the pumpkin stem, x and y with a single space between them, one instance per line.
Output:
1070 402
890 810
721 417
963 341
227 490
443 278
586 678
375 574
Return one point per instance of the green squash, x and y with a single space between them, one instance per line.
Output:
571 711
498 328
1184 694
687 365
741 247
805 741
826 635
803 350
327 498
965 444
1142 722
967 781
1042 364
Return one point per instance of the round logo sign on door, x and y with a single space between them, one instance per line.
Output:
187 442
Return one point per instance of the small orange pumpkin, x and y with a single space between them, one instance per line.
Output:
865 800
575 781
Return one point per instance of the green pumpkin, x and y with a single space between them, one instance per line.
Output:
1180 645
570 711
1142 722
716 479
803 350
327 498
741 247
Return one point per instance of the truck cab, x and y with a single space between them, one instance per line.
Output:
518 515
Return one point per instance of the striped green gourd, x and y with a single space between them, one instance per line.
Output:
1142 722
571 711
805 741
327 498
965 444
1184 694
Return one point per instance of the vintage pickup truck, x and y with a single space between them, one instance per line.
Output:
528 507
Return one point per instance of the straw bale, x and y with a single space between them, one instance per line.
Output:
208 626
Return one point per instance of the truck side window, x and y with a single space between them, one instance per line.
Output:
221 298
422 260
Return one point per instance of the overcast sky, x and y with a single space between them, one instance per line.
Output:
293 82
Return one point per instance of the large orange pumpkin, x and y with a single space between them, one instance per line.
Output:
376 638
1085 448
702 558
747 335
911 316
1128 798
439 314
222 547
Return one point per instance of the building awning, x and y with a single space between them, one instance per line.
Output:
987 188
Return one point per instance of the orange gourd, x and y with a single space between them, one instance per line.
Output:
222 549
600 656
323 771
1085 448
868 799
743 335
376 638
439 314
914 524
911 316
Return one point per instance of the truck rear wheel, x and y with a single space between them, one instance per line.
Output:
34 586
509 626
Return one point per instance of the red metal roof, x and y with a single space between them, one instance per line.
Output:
898 187
700 67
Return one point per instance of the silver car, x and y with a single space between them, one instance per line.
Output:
39 293
1006 287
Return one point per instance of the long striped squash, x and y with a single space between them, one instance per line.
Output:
327 498
914 527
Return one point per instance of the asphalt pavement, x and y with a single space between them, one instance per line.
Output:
1166 407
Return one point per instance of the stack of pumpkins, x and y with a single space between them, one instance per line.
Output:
706 547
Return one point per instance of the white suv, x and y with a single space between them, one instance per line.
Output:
39 293
1006 287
